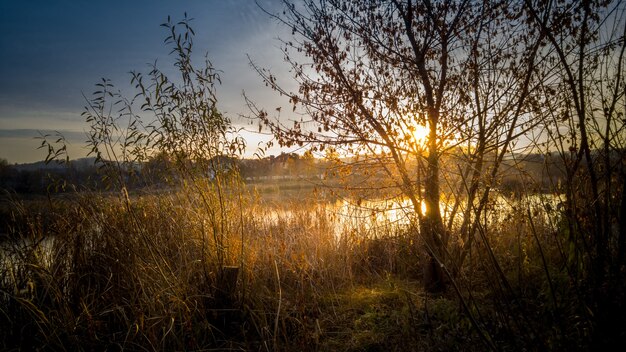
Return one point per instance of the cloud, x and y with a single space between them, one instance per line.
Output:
26 133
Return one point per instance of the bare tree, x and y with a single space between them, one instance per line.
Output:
585 128
379 70
585 113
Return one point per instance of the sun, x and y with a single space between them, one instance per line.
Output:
420 135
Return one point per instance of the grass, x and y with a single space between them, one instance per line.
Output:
150 272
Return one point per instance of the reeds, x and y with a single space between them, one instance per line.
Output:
145 271
196 269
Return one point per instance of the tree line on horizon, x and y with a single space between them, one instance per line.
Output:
529 173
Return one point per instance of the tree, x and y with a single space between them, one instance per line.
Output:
380 70
588 96
584 127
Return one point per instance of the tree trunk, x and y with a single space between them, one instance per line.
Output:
622 228
432 224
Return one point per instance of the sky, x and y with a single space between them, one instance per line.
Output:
53 52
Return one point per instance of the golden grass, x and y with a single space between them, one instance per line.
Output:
148 273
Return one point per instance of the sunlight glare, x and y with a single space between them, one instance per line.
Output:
420 134
423 208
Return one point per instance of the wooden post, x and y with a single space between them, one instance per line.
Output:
227 283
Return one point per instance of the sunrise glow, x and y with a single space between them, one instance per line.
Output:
420 135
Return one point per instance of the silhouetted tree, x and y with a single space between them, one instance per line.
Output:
381 69
583 107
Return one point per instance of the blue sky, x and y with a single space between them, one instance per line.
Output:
53 51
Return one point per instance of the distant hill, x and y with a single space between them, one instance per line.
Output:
78 164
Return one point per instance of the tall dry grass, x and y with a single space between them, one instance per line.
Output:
154 272
105 272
